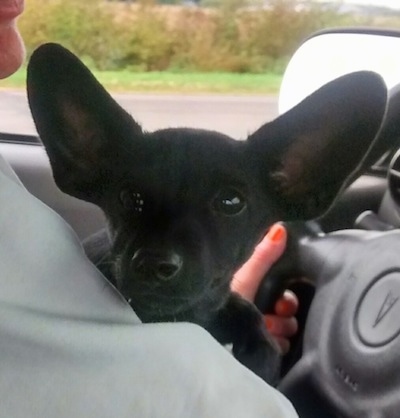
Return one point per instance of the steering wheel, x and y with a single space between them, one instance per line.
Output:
348 367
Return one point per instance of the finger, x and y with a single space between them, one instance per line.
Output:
281 327
284 344
247 279
287 305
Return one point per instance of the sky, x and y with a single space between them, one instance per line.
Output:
394 4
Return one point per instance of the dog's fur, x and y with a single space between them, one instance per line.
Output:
187 206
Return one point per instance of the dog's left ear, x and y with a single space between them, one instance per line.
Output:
81 126
307 155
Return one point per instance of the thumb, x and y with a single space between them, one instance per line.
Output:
247 279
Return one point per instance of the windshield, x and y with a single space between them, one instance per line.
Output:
214 64
338 52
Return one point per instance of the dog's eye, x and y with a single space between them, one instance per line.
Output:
132 200
228 202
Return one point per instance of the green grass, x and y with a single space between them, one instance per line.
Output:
169 82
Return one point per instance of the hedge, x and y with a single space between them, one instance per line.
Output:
229 35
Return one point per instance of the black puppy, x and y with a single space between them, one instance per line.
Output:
187 206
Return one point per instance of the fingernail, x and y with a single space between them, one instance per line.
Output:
268 323
284 308
276 233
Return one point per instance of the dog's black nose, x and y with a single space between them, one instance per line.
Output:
155 263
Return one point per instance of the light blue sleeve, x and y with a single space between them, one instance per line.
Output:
70 346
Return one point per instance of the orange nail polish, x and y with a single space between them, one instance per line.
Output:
287 305
276 233
268 323
285 308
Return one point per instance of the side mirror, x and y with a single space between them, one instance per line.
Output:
332 53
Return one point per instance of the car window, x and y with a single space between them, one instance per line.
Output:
223 60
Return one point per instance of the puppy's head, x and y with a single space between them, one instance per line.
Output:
186 206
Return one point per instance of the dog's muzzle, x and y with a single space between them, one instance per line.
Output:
163 265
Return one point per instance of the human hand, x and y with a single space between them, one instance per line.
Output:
246 281
282 325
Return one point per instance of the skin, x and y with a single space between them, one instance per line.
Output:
282 325
246 281
12 51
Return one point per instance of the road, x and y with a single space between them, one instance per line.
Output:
236 116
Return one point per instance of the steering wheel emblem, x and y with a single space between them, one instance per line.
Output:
387 305
378 311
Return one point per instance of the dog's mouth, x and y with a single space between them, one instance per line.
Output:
163 285
158 310
158 301
163 305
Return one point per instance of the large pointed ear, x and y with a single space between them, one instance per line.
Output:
310 153
77 121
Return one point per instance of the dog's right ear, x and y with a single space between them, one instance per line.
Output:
77 121
307 155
